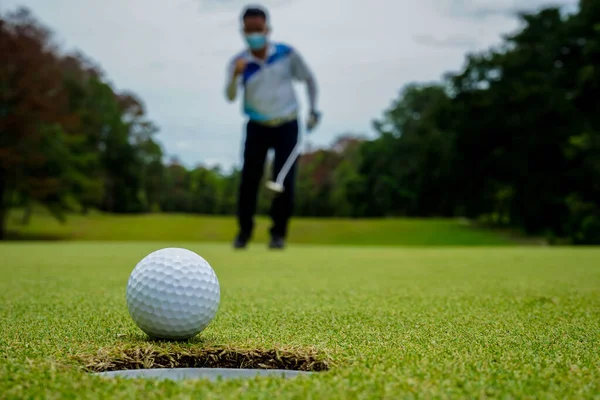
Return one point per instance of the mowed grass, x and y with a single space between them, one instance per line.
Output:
191 228
502 322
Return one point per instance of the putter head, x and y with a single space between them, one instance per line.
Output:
274 186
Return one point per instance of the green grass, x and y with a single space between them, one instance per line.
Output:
177 227
509 322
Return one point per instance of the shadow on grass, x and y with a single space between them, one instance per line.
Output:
16 236
513 234
143 339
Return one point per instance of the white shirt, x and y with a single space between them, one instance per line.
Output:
268 84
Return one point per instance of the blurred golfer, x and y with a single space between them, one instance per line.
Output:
266 72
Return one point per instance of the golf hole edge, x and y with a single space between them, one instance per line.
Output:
211 374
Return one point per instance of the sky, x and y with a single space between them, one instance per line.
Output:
173 53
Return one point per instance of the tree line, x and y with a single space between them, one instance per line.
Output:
512 139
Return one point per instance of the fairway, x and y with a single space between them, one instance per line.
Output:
481 322
317 231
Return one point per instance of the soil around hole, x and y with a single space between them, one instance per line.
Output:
152 357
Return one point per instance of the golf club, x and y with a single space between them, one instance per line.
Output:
277 185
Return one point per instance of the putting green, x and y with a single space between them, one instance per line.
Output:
391 323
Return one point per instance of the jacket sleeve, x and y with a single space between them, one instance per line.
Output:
302 73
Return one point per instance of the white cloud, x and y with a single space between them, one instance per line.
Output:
173 53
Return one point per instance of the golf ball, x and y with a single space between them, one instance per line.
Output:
173 294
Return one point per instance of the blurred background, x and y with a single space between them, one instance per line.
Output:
113 122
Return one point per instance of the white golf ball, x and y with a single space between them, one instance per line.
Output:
173 294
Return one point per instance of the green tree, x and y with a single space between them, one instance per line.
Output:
407 169
79 78
176 193
205 190
513 122
347 194
147 162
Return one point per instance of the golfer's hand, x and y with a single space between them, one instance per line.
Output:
240 66
313 119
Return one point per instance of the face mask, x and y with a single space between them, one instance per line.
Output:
256 41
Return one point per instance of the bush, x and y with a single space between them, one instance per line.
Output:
583 225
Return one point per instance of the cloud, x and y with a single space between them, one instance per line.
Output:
228 5
463 42
182 144
157 66
485 9
172 54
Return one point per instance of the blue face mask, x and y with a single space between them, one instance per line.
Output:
256 41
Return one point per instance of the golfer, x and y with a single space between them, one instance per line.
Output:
266 72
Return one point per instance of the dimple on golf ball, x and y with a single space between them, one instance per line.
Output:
173 294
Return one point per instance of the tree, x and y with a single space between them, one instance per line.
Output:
80 76
37 128
347 193
176 193
407 169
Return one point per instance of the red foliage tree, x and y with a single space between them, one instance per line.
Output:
33 112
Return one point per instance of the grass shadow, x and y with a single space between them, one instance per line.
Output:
143 339
16 236
513 234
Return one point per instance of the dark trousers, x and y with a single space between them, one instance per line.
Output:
259 139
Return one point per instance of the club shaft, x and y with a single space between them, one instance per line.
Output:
288 164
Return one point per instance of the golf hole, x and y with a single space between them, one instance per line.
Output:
202 363
212 374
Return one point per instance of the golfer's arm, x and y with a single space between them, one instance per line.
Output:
231 90
302 72
231 86
311 90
